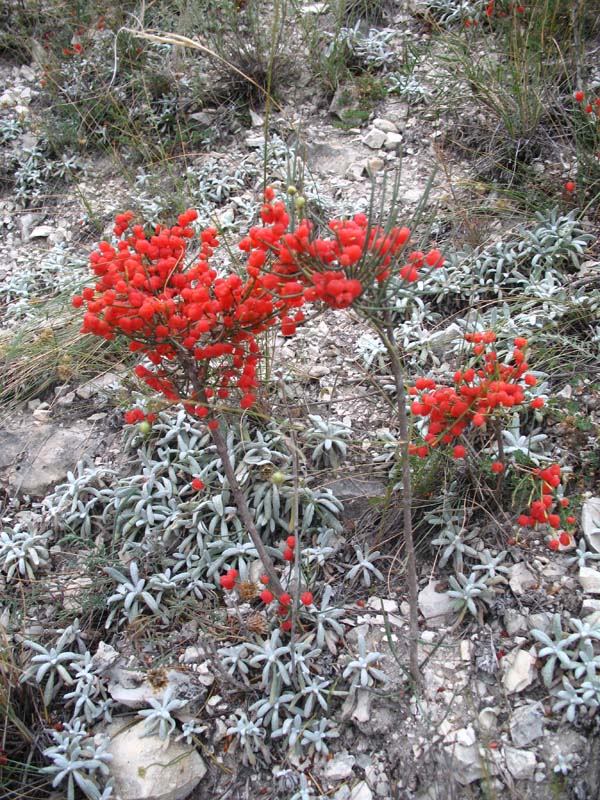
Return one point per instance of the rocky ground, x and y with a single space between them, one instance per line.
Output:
484 722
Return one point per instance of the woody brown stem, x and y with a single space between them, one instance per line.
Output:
236 489
387 337
244 511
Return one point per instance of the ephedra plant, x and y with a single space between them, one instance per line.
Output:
199 332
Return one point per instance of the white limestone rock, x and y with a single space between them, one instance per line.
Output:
519 670
340 767
526 724
374 139
361 792
436 607
520 763
590 522
467 758
146 768
385 125
589 578
521 579
392 141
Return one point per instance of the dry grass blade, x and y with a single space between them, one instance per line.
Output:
178 40
22 716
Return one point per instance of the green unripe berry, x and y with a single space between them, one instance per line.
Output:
277 478
291 190
144 428
300 202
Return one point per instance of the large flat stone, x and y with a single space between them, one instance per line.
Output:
34 457
146 768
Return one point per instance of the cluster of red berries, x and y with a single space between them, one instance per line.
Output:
227 581
172 310
591 106
137 415
197 329
548 508
335 270
288 553
478 393
284 600
496 8
588 106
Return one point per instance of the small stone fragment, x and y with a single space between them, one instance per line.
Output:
361 792
514 622
589 578
519 671
355 171
590 522
521 578
520 763
388 605
488 720
392 141
340 767
41 232
466 759
526 724
436 607
318 371
102 384
374 139
385 125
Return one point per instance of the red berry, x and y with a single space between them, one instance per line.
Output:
564 539
197 485
306 599
285 599
247 401
579 96
264 579
497 467
570 187
288 554
286 625
267 596
291 541
459 451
